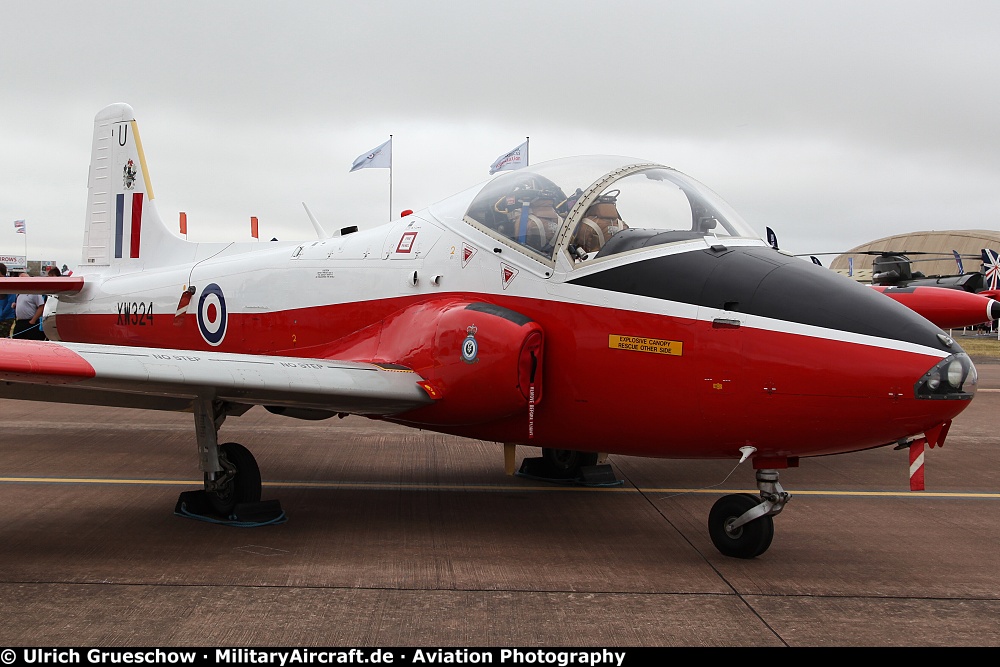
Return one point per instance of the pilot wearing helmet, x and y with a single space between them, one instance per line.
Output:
530 218
599 223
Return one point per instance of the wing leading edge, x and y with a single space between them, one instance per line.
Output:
165 379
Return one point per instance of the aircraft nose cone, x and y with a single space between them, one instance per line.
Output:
884 371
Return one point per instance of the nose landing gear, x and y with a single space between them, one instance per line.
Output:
741 524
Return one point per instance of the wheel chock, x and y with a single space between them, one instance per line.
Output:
598 475
264 511
538 468
196 505
193 502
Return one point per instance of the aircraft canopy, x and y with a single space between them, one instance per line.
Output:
595 207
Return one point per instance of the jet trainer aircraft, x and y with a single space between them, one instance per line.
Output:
586 305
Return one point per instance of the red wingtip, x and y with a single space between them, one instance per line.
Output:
41 362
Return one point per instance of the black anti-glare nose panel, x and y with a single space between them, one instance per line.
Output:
761 281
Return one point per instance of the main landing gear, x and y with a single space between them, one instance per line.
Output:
741 524
239 481
565 466
566 463
232 478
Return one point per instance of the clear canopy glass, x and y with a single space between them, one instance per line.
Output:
595 207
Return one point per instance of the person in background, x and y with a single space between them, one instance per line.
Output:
7 302
53 272
28 311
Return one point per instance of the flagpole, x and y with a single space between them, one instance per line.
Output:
377 158
527 148
390 177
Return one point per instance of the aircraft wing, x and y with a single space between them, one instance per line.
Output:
165 379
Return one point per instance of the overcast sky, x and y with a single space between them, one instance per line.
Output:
834 123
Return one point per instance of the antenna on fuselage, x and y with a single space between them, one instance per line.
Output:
320 232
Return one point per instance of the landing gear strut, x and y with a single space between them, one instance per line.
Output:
232 477
741 525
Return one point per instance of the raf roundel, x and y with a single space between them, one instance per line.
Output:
212 315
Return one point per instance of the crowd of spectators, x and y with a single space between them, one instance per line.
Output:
21 314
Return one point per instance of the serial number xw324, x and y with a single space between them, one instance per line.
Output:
135 314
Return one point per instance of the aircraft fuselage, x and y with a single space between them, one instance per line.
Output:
685 350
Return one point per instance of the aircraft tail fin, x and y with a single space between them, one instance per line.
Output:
991 267
122 224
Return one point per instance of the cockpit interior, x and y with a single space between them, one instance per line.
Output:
596 207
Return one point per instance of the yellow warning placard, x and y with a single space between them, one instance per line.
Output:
640 344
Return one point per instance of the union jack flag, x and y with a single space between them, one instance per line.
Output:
991 267
19 227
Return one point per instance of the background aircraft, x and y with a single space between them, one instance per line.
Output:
895 269
587 305
950 302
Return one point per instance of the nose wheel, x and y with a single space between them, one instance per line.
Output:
739 541
741 524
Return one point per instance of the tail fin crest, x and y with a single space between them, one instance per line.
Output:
122 225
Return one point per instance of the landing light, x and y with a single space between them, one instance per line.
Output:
934 379
958 372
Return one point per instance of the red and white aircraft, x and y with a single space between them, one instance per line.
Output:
587 305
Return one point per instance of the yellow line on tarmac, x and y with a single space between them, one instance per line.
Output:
382 486
89 480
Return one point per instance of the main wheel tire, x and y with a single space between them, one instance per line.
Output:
567 462
749 540
245 485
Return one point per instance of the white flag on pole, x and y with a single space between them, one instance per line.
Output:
378 157
515 159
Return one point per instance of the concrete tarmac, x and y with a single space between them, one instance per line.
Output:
398 537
